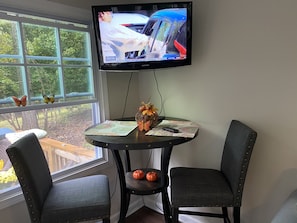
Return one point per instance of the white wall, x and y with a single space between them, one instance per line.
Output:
244 67
46 7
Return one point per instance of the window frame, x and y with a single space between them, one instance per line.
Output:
48 22
14 195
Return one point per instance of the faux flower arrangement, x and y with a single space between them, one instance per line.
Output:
147 116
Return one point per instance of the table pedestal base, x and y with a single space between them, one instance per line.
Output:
130 186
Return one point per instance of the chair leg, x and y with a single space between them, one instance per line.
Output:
174 215
225 213
236 214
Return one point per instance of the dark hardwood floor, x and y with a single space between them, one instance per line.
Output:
145 215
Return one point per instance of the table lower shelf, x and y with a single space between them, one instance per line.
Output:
144 187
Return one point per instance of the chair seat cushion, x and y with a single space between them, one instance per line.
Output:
77 200
195 187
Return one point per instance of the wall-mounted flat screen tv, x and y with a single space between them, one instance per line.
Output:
143 36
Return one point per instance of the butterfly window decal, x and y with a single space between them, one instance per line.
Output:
49 99
20 102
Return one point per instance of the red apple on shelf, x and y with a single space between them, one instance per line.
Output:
138 174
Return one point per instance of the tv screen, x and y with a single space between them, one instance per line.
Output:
143 36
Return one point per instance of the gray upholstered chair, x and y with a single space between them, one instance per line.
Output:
198 187
81 199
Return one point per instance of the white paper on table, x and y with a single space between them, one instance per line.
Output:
112 128
187 129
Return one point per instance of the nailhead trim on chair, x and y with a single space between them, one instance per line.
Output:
238 197
26 192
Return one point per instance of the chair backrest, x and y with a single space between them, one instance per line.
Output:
237 152
32 171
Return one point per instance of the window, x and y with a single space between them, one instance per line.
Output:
47 87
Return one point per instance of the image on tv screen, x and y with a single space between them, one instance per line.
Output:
143 35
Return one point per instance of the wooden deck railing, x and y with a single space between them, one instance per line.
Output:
62 155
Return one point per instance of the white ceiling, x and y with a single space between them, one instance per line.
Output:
77 3
88 3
